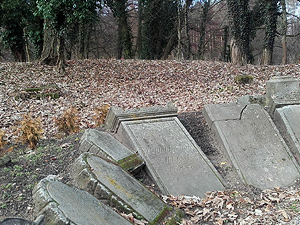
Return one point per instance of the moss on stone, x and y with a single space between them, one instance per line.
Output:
131 162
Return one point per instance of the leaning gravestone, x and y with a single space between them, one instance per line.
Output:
173 159
107 181
253 144
65 205
103 144
288 117
282 91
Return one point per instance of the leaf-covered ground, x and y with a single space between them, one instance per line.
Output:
89 84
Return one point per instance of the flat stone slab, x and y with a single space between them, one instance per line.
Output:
253 144
104 144
106 180
289 119
173 159
62 204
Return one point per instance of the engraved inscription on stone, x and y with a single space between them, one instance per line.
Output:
174 160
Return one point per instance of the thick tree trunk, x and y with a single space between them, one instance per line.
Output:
270 30
49 52
61 56
240 31
236 55
267 56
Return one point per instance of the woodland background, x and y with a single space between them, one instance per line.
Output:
237 31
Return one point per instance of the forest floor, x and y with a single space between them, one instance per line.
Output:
89 84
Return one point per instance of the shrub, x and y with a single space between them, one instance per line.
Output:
30 131
68 123
101 114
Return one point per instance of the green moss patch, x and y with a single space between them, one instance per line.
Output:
130 163
243 79
51 91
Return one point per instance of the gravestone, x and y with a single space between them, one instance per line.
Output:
253 144
288 117
62 204
173 159
281 91
103 144
109 182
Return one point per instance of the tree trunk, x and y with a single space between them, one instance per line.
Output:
236 55
203 24
240 31
271 13
49 52
283 32
267 56
186 28
225 53
139 41
178 30
61 56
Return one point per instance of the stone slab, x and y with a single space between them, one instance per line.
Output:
116 115
173 159
253 144
121 190
104 144
62 204
281 91
288 118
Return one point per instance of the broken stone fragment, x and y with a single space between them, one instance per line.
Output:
105 145
110 183
65 205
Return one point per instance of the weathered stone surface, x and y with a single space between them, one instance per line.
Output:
62 204
288 118
281 91
21 221
253 144
110 182
116 115
103 144
173 159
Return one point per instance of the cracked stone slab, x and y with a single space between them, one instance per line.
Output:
107 181
288 118
104 144
253 144
173 159
65 205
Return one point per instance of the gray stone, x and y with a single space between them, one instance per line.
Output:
62 204
116 115
21 221
281 91
250 99
103 144
173 159
253 144
117 187
288 118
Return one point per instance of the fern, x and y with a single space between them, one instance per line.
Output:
68 123
101 114
30 131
